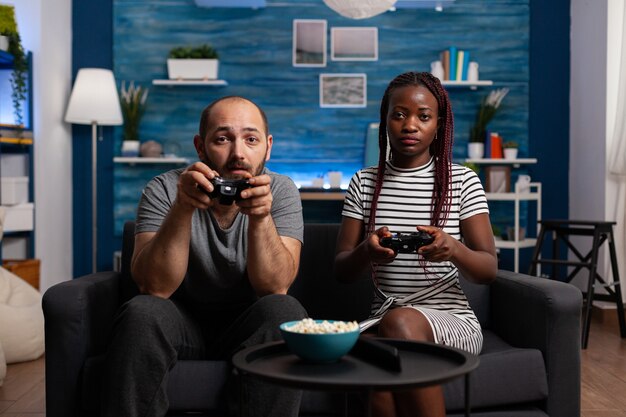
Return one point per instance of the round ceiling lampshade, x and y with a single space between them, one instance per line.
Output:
360 9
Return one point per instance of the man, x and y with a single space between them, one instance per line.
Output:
213 277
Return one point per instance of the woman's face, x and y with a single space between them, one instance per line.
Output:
411 125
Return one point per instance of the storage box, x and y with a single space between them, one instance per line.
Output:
14 190
19 218
27 269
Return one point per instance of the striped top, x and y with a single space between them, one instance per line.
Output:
403 204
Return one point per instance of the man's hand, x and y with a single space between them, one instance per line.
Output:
257 201
190 184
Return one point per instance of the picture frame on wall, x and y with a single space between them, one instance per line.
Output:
498 179
309 43
354 43
343 90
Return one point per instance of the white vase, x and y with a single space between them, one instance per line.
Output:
475 150
436 69
510 153
4 43
130 148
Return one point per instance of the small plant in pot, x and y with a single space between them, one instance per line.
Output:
133 103
8 29
193 63
510 149
486 111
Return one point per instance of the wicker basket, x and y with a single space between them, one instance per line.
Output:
27 269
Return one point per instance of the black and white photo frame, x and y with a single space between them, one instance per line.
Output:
343 90
309 42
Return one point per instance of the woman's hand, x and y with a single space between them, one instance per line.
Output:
443 247
377 253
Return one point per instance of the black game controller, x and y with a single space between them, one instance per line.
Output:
227 190
408 242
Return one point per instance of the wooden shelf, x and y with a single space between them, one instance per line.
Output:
502 161
320 194
511 244
17 141
473 85
132 160
199 83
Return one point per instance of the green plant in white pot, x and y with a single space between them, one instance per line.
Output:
193 63
510 149
19 88
133 103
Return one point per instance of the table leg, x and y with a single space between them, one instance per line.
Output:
467 395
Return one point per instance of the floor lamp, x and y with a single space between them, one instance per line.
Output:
94 101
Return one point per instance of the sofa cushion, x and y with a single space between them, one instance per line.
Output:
508 375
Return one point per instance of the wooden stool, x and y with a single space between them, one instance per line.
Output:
601 231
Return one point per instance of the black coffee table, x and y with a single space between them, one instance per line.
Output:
423 364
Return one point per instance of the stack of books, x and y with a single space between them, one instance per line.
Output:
455 63
493 146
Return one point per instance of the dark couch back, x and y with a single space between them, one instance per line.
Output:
315 287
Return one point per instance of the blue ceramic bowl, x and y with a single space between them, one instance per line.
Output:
318 347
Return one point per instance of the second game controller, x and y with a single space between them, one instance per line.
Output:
227 190
407 242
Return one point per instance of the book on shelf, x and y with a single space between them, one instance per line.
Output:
496 146
453 58
445 60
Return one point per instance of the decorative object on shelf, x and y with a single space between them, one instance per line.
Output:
133 104
475 150
523 184
334 179
4 43
359 9
510 149
510 233
436 69
151 149
472 71
8 28
94 101
486 111
193 63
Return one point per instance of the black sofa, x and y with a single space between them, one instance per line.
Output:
529 366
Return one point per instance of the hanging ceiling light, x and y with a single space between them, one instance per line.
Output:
360 9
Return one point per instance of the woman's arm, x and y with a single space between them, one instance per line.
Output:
354 254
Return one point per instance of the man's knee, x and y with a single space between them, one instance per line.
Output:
146 312
279 308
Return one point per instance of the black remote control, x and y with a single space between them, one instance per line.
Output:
378 353
227 190
408 242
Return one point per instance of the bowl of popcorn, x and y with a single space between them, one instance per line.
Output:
320 340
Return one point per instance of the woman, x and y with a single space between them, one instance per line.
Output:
418 296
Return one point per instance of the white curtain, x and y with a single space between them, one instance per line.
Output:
617 162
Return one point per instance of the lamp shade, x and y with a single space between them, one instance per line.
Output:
359 9
94 99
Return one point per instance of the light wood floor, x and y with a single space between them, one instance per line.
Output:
603 378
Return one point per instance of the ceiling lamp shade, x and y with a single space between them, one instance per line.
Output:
360 9
94 99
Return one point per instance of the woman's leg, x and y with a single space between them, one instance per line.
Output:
408 324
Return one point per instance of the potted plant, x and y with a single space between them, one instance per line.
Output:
510 148
8 29
133 103
486 111
193 63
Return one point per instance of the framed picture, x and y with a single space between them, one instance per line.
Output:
343 90
309 43
354 44
498 179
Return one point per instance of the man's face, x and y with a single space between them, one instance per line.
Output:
235 144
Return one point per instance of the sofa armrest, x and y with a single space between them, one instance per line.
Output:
78 318
533 312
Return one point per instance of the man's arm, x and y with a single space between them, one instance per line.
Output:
160 258
272 259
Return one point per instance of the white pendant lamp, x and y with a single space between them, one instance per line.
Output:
360 9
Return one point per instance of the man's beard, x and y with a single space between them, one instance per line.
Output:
236 165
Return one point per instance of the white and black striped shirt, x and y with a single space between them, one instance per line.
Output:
404 203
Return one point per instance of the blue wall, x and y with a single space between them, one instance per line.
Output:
504 36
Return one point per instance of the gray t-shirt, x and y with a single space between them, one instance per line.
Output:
216 275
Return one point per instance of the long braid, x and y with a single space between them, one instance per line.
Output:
441 147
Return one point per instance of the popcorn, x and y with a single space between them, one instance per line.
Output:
311 326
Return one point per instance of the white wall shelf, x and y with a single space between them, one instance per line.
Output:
197 83
502 161
132 160
473 85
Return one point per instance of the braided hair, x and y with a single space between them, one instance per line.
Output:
440 148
